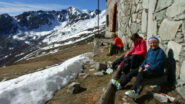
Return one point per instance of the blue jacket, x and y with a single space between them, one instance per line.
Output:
156 60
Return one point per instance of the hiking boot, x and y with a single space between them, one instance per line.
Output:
132 94
116 83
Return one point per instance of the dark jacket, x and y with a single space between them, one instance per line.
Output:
156 60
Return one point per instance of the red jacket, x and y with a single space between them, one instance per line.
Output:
139 48
118 42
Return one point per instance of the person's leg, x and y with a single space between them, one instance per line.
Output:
137 86
117 62
136 61
124 79
112 50
125 65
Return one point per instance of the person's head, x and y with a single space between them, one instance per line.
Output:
113 35
134 37
153 42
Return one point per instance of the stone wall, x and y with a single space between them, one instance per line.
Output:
164 19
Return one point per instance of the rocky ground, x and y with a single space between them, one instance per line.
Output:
92 85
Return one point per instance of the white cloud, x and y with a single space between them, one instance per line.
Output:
15 8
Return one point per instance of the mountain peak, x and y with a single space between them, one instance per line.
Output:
74 10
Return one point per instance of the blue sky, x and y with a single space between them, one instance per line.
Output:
14 7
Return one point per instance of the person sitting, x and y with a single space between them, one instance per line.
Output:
152 66
134 57
116 46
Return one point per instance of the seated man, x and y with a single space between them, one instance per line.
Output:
152 66
134 57
116 46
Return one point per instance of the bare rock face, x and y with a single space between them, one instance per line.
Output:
34 19
7 25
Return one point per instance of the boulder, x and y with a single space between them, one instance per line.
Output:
100 66
160 98
109 71
74 88
101 73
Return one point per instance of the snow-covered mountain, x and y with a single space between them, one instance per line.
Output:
34 29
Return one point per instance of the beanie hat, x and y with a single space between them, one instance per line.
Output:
153 38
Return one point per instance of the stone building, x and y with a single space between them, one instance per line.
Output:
164 19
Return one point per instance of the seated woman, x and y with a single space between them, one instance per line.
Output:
116 46
152 66
134 57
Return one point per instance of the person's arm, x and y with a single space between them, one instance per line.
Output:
159 63
115 41
131 51
143 49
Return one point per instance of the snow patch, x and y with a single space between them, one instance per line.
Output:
39 87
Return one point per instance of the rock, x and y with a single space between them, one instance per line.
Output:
91 70
160 98
168 29
135 27
109 64
81 74
145 4
179 40
179 17
175 47
176 8
181 91
133 9
157 88
152 24
182 71
85 76
124 99
161 4
101 73
74 88
138 21
109 71
100 66
134 17
160 15
144 21
179 35
139 7
183 29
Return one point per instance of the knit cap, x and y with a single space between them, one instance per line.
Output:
153 38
